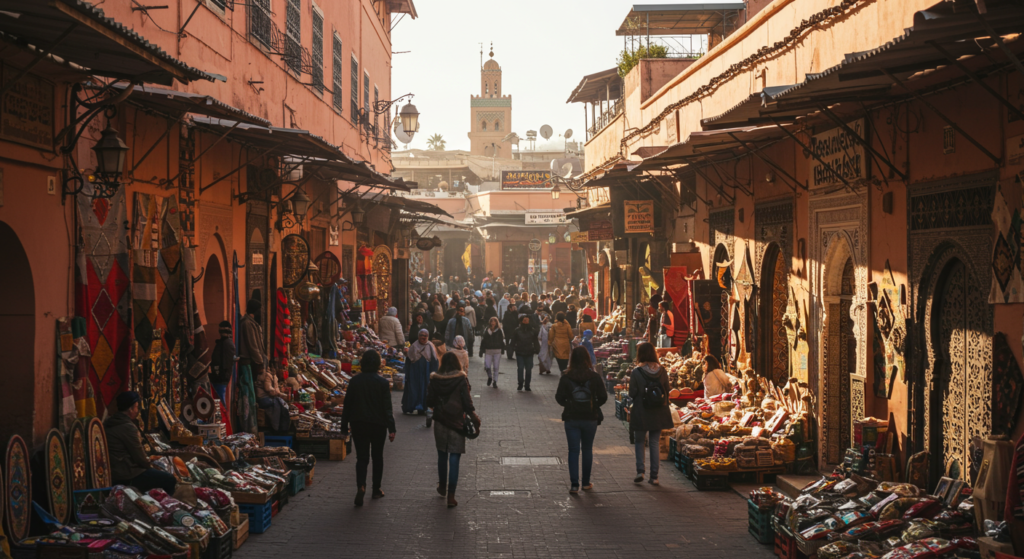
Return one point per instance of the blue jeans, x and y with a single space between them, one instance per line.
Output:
580 432
450 463
524 366
638 445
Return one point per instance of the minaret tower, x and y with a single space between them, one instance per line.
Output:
490 113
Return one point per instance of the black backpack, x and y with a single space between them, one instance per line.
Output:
654 396
581 399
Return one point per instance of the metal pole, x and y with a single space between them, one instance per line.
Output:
977 79
862 141
765 158
811 151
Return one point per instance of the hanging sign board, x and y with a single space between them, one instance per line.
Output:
579 237
534 245
842 154
544 218
600 230
639 216
26 110
525 180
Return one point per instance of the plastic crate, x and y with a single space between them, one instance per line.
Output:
672 450
296 483
709 481
684 464
220 548
279 440
620 413
785 545
320 448
259 516
809 547
275 509
759 523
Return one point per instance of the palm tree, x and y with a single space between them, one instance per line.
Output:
436 142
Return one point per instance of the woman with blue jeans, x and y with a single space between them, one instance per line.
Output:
581 393
650 414
448 395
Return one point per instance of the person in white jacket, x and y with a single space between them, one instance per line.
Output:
390 329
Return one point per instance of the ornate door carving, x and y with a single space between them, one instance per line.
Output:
382 271
780 301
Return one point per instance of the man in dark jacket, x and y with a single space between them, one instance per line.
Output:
509 324
498 287
222 365
526 345
250 341
129 464
489 311
459 325
368 409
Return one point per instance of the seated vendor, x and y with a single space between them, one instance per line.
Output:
271 399
716 381
128 461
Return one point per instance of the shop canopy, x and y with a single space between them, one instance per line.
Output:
598 87
699 18
397 202
174 104
358 172
949 42
706 144
80 33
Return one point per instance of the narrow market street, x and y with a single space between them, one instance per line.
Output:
617 519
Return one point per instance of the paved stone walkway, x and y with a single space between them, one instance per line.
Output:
617 519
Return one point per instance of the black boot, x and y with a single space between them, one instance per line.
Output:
360 494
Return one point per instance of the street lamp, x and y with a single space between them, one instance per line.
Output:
410 119
110 155
357 214
293 210
555 192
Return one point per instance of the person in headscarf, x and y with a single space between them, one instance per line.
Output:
389 329
419 322
459 349
587 335
421 360
544 357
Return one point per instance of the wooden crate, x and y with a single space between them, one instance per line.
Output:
337 450
241 532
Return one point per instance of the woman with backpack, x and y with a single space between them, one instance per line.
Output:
448 396
648 387
581 393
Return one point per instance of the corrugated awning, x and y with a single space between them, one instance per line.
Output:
78 32
172 103
398 202
359 172
598 87
677 19
709 143
278 141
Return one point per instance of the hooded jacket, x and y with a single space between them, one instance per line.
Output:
453 388
510 323
560 339
563 394
641 418
124 443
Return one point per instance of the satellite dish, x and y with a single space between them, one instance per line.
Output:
566 170
568 134
554 166
400 133
546 132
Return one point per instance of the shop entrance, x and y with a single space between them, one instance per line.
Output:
453 265
957 330
513 261
17 337
773 344
213 295
839 356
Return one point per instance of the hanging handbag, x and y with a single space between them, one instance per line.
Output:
470 426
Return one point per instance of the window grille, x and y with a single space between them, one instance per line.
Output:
354 93
339 101
318 52
293 32
260 22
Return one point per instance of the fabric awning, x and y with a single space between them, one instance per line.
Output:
78 32
172 103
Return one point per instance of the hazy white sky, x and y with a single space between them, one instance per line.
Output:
544 47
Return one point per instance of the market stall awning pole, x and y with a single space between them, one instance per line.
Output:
939 113
977 79
170 126
240 167
721 174
862 141
715 186
811 151
43 53
757 153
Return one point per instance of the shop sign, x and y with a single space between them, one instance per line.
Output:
545 218
535 245
639 216
579 237
600 230
424 243
1015 149
525 180
529 267
26 111
544 266
842 154
295 259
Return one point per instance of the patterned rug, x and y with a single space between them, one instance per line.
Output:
57 476
99 457
103 298
18 515
78 457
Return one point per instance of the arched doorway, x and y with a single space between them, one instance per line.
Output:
773 343
838 353
960 399
17 337
213 294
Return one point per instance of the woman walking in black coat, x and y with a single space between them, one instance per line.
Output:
509 324
526 345
648 387
448 395
581 393
368 410
492 343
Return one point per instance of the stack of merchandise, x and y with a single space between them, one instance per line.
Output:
849 516
685 374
